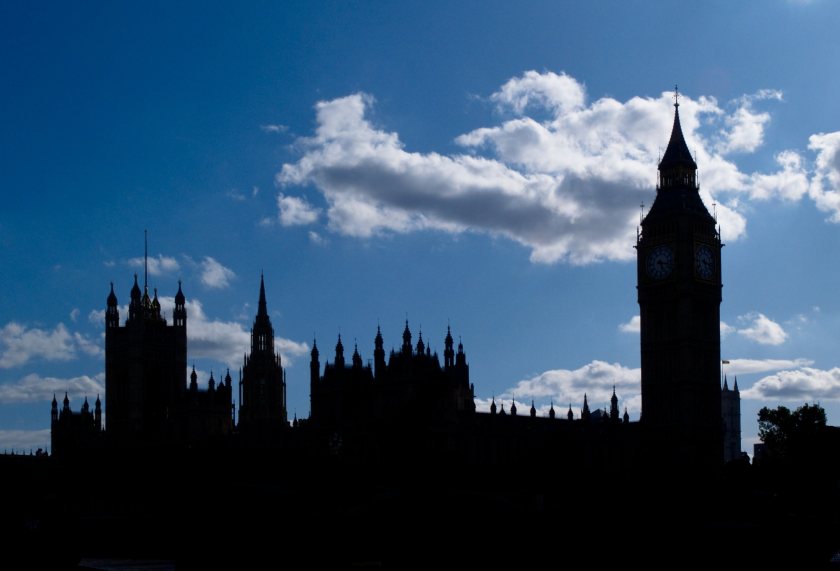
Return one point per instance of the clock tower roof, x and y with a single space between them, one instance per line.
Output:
677 191
677 153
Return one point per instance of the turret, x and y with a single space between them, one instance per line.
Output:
357 359
211 384
585 414
492 406
378 354
448 351
614 407
97 413
570 415
551 413
406 346
626 416
112 312
134 305
421 347
179 315
339 353
85 407
54 410
533 409
193 380
512 407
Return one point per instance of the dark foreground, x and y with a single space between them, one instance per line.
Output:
200 512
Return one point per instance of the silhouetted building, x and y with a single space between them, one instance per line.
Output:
72 431
679 293
411 388
730 405
262 389
407 401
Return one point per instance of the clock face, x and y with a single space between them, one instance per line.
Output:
704 262
660 262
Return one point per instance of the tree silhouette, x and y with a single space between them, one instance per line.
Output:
792 436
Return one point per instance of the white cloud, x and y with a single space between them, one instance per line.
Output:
790 183
19 344
749 366
564 386
805 384
632 326
34 388
236 194
558 92
158 266
74 314
726 329
316 238
274 128
762 329
825 184
214 275
567 185
745 127
295 211
24 440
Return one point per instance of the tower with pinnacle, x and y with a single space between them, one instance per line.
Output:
262 388
679 295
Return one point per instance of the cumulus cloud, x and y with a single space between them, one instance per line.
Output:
762 329
35 388
214 275
563 386
296 211
632 326
158 266
750 366
22 441
805 384
20 344
564 176
825 184
745 126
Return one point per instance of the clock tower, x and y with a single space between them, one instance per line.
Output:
679 288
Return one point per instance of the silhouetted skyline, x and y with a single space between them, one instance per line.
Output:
180 125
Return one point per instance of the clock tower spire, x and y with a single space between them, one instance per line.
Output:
679 294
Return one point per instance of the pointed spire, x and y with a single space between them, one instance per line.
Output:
179 297
112 297
626 416
735 388
493 405
570 415
262 309
533 409
513 406
551 413
677 153
725 385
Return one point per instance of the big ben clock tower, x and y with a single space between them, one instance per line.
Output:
679 287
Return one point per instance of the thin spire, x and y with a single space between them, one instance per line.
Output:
677 153
262 309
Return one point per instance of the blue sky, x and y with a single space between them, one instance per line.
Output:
478 164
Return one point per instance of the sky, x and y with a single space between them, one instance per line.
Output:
479 165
